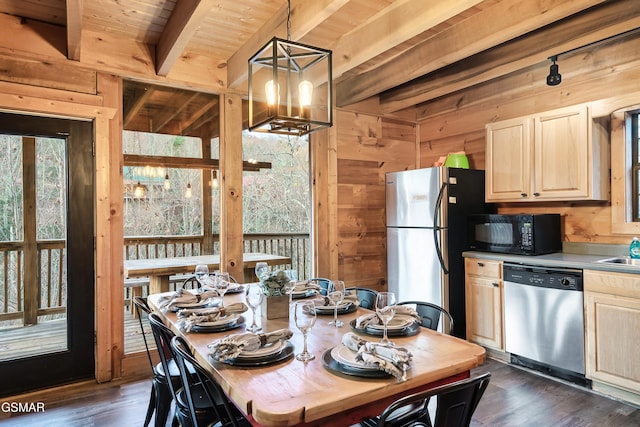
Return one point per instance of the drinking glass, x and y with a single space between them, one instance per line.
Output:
305 317
261 269
221 283
336 295
202 273
386 309
289 287
254 296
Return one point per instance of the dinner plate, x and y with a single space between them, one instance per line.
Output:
218 328
264 351
234 289
209 302
285 353
347 357
411 329
398 321
333 365
346 307
304 294
224 320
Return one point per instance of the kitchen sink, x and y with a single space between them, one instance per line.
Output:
620 260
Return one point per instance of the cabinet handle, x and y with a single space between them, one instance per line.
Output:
481 264
523 194
536 194
496 285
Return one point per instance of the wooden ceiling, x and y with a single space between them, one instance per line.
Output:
406 52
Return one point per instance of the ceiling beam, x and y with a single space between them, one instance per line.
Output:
74 29
305 16
593 25
135 103
467 38
189 125
172 111
186 162
182 24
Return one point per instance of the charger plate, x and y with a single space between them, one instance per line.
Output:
232 322
346 367
343 308
285 353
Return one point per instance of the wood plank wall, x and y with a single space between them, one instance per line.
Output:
368 146
606 76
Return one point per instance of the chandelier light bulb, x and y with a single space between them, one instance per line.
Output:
214 182
167 183
187 193
273 93
305 92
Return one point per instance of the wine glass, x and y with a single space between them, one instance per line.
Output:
261 269
221 283
386 309
254 296
336 295
305 317
202 273
289 287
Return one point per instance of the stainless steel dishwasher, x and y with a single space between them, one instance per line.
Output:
544 320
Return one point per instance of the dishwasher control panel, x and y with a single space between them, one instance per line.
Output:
555 278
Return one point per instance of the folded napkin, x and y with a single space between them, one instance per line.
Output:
370 319
305 285
231 346
323 301
185 296
196 317
391 359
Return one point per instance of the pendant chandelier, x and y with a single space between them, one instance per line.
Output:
290 87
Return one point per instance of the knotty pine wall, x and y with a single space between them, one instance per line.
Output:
368 146
606 76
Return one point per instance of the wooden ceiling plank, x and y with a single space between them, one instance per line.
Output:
172 111
305 16
135 103
467 38
187 124
591 26
74 29
182 24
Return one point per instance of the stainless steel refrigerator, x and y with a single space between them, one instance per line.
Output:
427 232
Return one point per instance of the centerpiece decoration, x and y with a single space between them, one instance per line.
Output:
275 304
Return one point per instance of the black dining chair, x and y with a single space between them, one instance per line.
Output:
366 297
204 384
323 283
161 396
431 314
205 413
456 403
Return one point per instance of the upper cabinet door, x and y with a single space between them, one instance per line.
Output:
562 153
508 159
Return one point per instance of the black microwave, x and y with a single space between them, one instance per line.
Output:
525 234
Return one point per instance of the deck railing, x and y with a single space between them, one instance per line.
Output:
52 289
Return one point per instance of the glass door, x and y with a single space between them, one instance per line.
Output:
46 252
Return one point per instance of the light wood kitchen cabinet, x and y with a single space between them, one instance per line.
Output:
483 291
556 155
612 324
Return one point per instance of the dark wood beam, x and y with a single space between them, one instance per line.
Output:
186 162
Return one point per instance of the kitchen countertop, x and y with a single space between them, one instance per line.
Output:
558 259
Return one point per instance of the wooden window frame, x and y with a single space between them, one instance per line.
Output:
622 172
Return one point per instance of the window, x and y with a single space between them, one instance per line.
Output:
625 171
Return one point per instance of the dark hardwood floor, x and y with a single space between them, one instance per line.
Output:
514 398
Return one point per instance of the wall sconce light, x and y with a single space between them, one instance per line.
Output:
214 182
554 78
187 193
167 183
282 97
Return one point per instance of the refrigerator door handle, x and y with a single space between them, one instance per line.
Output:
437 227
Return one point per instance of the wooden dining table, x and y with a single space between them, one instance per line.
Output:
294 393
159 270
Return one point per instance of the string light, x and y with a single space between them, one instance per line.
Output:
187 193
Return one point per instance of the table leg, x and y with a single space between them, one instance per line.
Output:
158 284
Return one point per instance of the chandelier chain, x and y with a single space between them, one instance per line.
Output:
288 20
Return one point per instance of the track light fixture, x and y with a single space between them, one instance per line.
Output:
554 78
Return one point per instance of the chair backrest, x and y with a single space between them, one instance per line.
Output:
163 336
224 409
366 297
143 307
456 404
323 283
430 314
190 282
